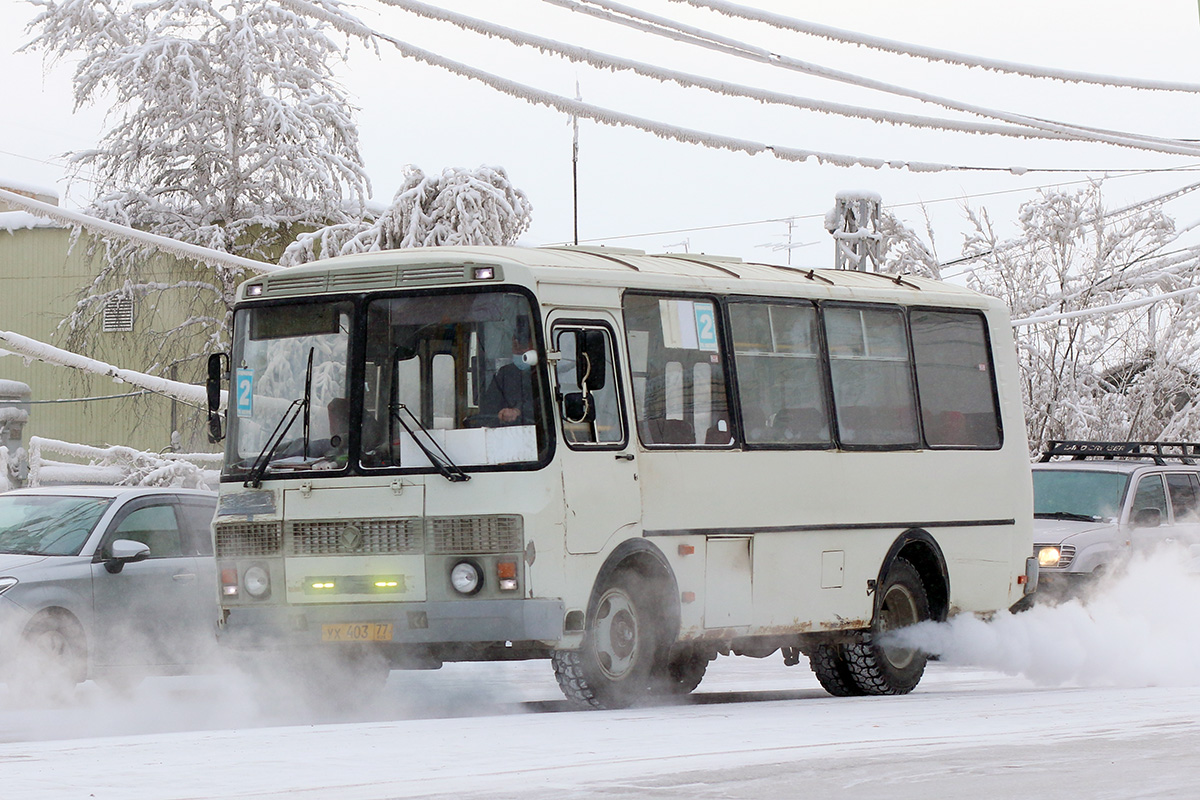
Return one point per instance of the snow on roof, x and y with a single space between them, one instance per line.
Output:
13 221
29 189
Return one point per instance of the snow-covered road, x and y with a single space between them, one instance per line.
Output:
754 729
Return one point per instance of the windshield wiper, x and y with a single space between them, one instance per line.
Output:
254 479
441 462
1066 515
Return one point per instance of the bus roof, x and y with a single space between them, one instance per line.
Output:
603 266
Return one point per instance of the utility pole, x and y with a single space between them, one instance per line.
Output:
575 165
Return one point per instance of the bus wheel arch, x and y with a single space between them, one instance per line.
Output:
922 551
632 621
913 586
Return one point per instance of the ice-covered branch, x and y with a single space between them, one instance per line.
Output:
32 350
102 227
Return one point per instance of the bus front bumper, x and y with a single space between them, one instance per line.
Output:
443 622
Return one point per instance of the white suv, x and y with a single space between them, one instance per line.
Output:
1107 500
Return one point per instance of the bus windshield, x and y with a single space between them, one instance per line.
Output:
453 378
284 414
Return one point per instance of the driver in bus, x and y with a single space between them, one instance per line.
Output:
509 398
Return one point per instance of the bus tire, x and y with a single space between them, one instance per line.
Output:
616 665
880 669
684 672
833 672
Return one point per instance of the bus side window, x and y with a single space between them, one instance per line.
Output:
678 371
590 416
871 375
781 375
954 379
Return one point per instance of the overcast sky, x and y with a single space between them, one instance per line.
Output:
632 182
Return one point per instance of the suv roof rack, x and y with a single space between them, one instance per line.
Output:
1186 452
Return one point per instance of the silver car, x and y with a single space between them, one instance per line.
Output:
1106 501
110 583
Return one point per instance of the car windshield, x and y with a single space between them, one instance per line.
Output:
48 525
1081 493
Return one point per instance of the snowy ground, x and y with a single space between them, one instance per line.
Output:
1094 701
756 729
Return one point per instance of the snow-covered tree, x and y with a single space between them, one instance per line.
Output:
904 253
1116 375
228 130
458 207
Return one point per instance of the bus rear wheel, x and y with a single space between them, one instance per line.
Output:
889 668
829 664
616 666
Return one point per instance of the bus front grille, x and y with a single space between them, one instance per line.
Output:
468 535
325 537
238 539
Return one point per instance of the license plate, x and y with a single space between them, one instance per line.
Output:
357 632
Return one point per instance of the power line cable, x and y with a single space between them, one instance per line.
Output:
910 204
610 62
138 393
933 53
613 118
660 26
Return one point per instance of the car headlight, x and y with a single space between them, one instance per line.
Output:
1049 556
7 583
257 582
466 578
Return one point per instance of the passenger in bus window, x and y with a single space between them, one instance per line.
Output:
508 400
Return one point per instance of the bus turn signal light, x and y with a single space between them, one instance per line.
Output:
506 571
229 582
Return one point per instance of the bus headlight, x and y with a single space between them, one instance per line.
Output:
257 582
466 578
1049 557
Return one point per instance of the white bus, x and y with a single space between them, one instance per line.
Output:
627 464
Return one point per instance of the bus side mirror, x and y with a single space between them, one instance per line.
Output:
591 347
218 367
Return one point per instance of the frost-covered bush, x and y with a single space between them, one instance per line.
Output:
119 466
458 207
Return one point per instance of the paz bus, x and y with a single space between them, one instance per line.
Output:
625 464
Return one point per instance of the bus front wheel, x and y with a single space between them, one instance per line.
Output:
615 667
881 667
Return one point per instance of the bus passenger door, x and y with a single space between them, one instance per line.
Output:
599 464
